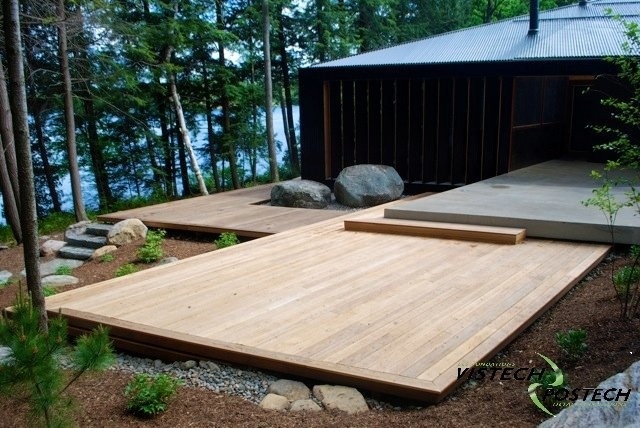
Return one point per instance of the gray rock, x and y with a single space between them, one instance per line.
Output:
210 365
291 389
5 354
76 253
307 405
85 240
167 260
99 229
368 185
5 276
341 398
630 413
51 247
274 402
189 364
127 231
300 194
50 267
102 251
59 281
76 229
3 247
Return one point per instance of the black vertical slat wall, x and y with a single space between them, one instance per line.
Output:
435 131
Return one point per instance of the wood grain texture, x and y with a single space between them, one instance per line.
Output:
392 313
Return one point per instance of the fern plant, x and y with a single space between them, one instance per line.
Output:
152 251
573 343
149 395
226 239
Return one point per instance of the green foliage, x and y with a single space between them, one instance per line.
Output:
226 239
152 251
64 270
626 281
126 269
6 235
107 258
149 395
55 222
33 372
573 343
49 291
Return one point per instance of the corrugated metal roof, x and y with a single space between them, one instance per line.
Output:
568 32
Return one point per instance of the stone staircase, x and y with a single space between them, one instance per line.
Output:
82 243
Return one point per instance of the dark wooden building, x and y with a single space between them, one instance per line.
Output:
463 106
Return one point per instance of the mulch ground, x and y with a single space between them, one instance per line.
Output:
613 345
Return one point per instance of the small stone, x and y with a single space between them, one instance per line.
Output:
3 247
5 353
307 405
210 365
157 364
102 251
291 389
50 267
59 281
274 402
187 365
167 260
341 398
51 247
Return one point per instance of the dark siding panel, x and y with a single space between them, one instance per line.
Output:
362 121
348 127
311 129
388 122
375 121
432 130
476 129
336 128
504 149
491 128
460 124
445 131
403 121
416 131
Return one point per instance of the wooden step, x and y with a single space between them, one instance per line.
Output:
463 232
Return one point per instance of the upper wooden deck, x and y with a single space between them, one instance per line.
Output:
243 211
397 314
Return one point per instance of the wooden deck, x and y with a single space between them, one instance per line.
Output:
391 313
241 211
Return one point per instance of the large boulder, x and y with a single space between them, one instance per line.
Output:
366 185
127 231
300 194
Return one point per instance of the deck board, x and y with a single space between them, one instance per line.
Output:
241 211
391 313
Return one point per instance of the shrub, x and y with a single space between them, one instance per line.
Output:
64 270
149 395
33 372
107 258
226 239
126 269
573 343
49 291
152 251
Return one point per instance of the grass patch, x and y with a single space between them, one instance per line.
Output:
126 269
63 270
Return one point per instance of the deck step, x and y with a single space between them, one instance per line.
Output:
99 229
464 232
86 240
77 253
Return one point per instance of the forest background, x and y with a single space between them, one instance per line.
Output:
117 89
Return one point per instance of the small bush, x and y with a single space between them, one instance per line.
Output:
226 239
55 222
49 291
107 258
126 269
152 251
149 395
573 343
64 270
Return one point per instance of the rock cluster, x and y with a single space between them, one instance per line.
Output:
366 185
294 396
300 194
603 413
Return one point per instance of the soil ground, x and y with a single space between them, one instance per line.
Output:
613 345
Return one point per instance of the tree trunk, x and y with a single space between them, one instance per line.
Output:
184 171
44 157
294 158
70 123
208 105
166 148
18 100
6 134
273 160
228 144
11 208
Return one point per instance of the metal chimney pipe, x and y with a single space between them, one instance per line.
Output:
534 6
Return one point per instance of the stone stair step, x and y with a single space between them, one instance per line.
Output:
99 229
77 253
87 241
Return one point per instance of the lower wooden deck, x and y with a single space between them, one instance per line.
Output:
244 212
396 314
